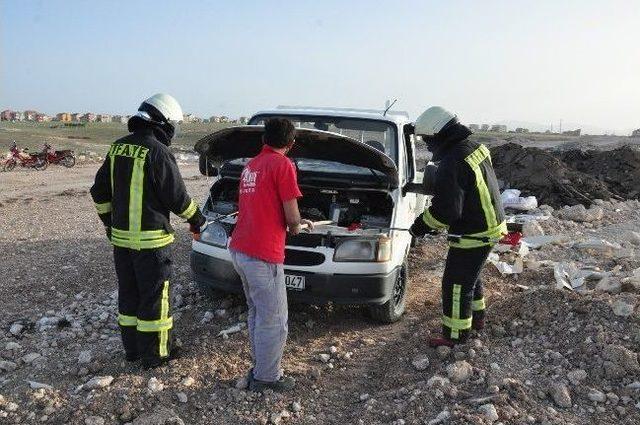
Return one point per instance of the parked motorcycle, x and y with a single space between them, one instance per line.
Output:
24 159
65 158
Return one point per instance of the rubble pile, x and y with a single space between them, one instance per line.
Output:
540 173
569 176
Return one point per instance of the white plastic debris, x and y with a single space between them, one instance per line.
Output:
536 242
504 267
569 276
511 199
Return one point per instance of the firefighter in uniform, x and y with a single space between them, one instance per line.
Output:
135 189
466 203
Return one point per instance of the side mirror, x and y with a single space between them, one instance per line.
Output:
424 183
207 168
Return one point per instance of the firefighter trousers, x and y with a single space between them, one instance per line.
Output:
462 291
144 313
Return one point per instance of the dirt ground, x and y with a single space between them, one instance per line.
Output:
58 284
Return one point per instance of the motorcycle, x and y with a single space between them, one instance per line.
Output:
65 158
24 159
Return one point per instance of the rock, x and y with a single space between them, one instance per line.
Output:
364 397
39 386
159 416
242 383
12 346
11 407
459 371
188 381
576 376
84 357
580 214
609 285
182 397
624 306
29 358
619 361
94 420
532 228
16 329
560 394
441 418
154 385
437 381
221 313
296 407
333 349
8 366
98 382
490 413
420 362
324 357
208 316
276 418
443 351
597 396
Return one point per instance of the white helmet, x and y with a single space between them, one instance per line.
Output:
165 104
433 120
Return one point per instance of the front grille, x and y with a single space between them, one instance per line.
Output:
295 257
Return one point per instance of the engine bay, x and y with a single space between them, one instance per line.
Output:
349 211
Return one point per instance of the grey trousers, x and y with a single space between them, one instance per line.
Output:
267 315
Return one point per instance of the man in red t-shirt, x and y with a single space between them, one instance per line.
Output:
268 204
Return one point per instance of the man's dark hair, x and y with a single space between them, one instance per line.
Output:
279 132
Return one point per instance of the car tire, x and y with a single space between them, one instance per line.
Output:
212 293
392 310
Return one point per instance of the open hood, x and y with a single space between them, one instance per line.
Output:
246 142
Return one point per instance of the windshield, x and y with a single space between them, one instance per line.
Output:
378 134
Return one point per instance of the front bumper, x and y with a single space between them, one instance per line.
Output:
215 273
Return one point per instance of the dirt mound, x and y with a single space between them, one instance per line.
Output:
540 173
619 169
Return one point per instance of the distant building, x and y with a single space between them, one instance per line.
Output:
572 132
191 118
88 117
484 127
522 130
63 117
214 118
42 118
104 118
30 115
18 116
7 115
122 119
224 119
243 120
474 127
76 117
635 133
498 128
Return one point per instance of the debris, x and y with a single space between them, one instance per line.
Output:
441 418
560 394
154 385
231 330
7 365
490 412
159 416
84 357
597 396
38 385
98 382
421 362
569 276
459 371
505 268
16 329
182 397
624 306
580 214
577 376
324 357
511 199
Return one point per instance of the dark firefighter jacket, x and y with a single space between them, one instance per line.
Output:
135 189
466 200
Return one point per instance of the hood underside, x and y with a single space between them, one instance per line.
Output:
246 142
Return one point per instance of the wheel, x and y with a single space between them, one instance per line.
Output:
9 165
68 161
392 310
41 165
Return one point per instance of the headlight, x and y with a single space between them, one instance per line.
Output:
215 234
378 250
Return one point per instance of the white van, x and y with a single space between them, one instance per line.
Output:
355 168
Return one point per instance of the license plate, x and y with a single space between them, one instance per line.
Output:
293 282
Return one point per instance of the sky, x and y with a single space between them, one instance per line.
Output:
491 61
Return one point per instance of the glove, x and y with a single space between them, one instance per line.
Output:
197 223
419 228
107 230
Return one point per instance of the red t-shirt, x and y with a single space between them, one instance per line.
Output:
266 182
